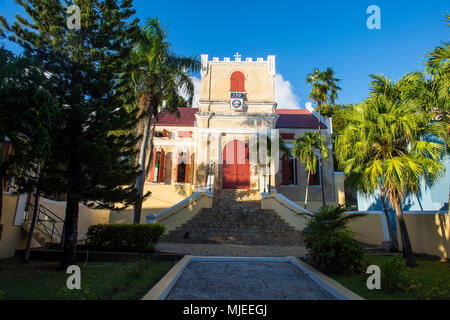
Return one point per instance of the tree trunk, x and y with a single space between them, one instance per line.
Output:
320 160
142 164
26 256
406 243
393 244
307 189
71 232
1 205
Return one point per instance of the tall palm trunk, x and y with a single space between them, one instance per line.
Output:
392 243
147 135
307 189
320 158
406 243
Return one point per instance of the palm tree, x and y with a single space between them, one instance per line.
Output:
438 68
386 146
324 91
305 148
159 78
282 149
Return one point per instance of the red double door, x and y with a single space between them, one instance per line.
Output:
236 166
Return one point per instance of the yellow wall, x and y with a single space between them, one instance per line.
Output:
86 216
368 229
13 237
429 233
178 215
163 197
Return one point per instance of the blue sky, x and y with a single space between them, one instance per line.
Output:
303 35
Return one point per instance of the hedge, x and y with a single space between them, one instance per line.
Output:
124 237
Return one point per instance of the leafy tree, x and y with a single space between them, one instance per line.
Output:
324 90
282 148
159 78
305 148
438 88
387 145
91 148
27 111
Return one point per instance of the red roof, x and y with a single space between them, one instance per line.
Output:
297 119
289 118
186 118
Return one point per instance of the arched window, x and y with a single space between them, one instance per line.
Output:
237 82
289 171
183 162
157 168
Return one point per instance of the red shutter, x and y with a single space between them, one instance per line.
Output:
161 166
285 170
295 169
152 170
287 136
237 82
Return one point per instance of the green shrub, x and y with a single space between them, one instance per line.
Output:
329 242
395 277
124 237
336 253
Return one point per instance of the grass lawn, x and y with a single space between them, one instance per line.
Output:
109 281
428 273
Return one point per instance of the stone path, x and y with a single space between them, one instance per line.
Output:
245 280
231 250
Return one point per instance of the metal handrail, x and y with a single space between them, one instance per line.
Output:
42 223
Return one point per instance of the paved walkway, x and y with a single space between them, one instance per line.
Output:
231 250
241 280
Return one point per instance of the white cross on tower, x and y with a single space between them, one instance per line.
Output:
237 56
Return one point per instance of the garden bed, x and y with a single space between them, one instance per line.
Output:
106 281
432 276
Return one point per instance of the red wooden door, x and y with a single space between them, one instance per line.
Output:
236 166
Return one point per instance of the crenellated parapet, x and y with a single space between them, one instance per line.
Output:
237 62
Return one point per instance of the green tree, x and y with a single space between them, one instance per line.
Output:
282 148
160 78
306 149
387 145
438 87
92 154
27 111
324 90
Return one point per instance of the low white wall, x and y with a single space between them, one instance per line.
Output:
180 213
288 210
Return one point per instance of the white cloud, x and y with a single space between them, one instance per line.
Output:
284 95
197 83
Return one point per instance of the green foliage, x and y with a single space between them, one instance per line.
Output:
27 114
2 295
87 292
124 237
305 150
329 242
395 276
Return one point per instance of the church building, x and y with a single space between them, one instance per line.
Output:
215 146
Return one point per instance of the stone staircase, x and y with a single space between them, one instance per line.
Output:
236 218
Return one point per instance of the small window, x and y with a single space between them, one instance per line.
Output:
289 172
237 82
159 134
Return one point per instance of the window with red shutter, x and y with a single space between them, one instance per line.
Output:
237 82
